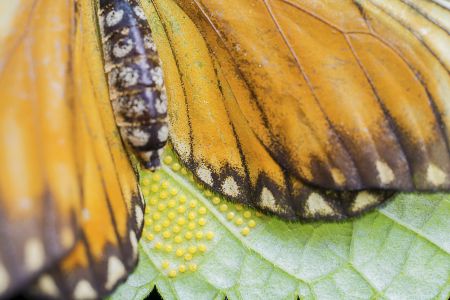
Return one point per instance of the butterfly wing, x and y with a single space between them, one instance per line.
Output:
212 136
39 184
65 156
344 94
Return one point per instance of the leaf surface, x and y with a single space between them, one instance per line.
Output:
400 251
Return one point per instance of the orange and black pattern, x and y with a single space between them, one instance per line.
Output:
315 115
71 211
135 78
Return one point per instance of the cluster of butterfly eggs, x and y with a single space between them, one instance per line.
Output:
177 225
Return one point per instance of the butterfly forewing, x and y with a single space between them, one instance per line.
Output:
112 212
39 185
69 197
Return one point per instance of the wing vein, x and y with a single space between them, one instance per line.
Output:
417 74
380 102
431 51
311 14
21 38
236 68
309 84
424 14
251 192
112 160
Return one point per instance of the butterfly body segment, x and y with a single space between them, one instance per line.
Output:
135 78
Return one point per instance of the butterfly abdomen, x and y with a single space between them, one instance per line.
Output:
135 78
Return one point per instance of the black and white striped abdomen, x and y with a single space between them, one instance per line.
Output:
135 77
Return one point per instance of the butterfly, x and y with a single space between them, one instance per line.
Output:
309 110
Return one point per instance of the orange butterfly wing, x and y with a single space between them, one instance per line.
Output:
274 97
213 137
39 184
67 186
345 95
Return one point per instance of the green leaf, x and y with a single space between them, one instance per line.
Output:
400 251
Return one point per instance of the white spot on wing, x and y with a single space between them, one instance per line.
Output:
316 205
183 148
141 196
139 215
363 200
435 175
205 175
4 278
34 254
385 173
230 187
84 290
134 243
268 200
116 271
47 285
114 17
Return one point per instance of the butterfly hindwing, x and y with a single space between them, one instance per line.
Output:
212 136
112 212
356 86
